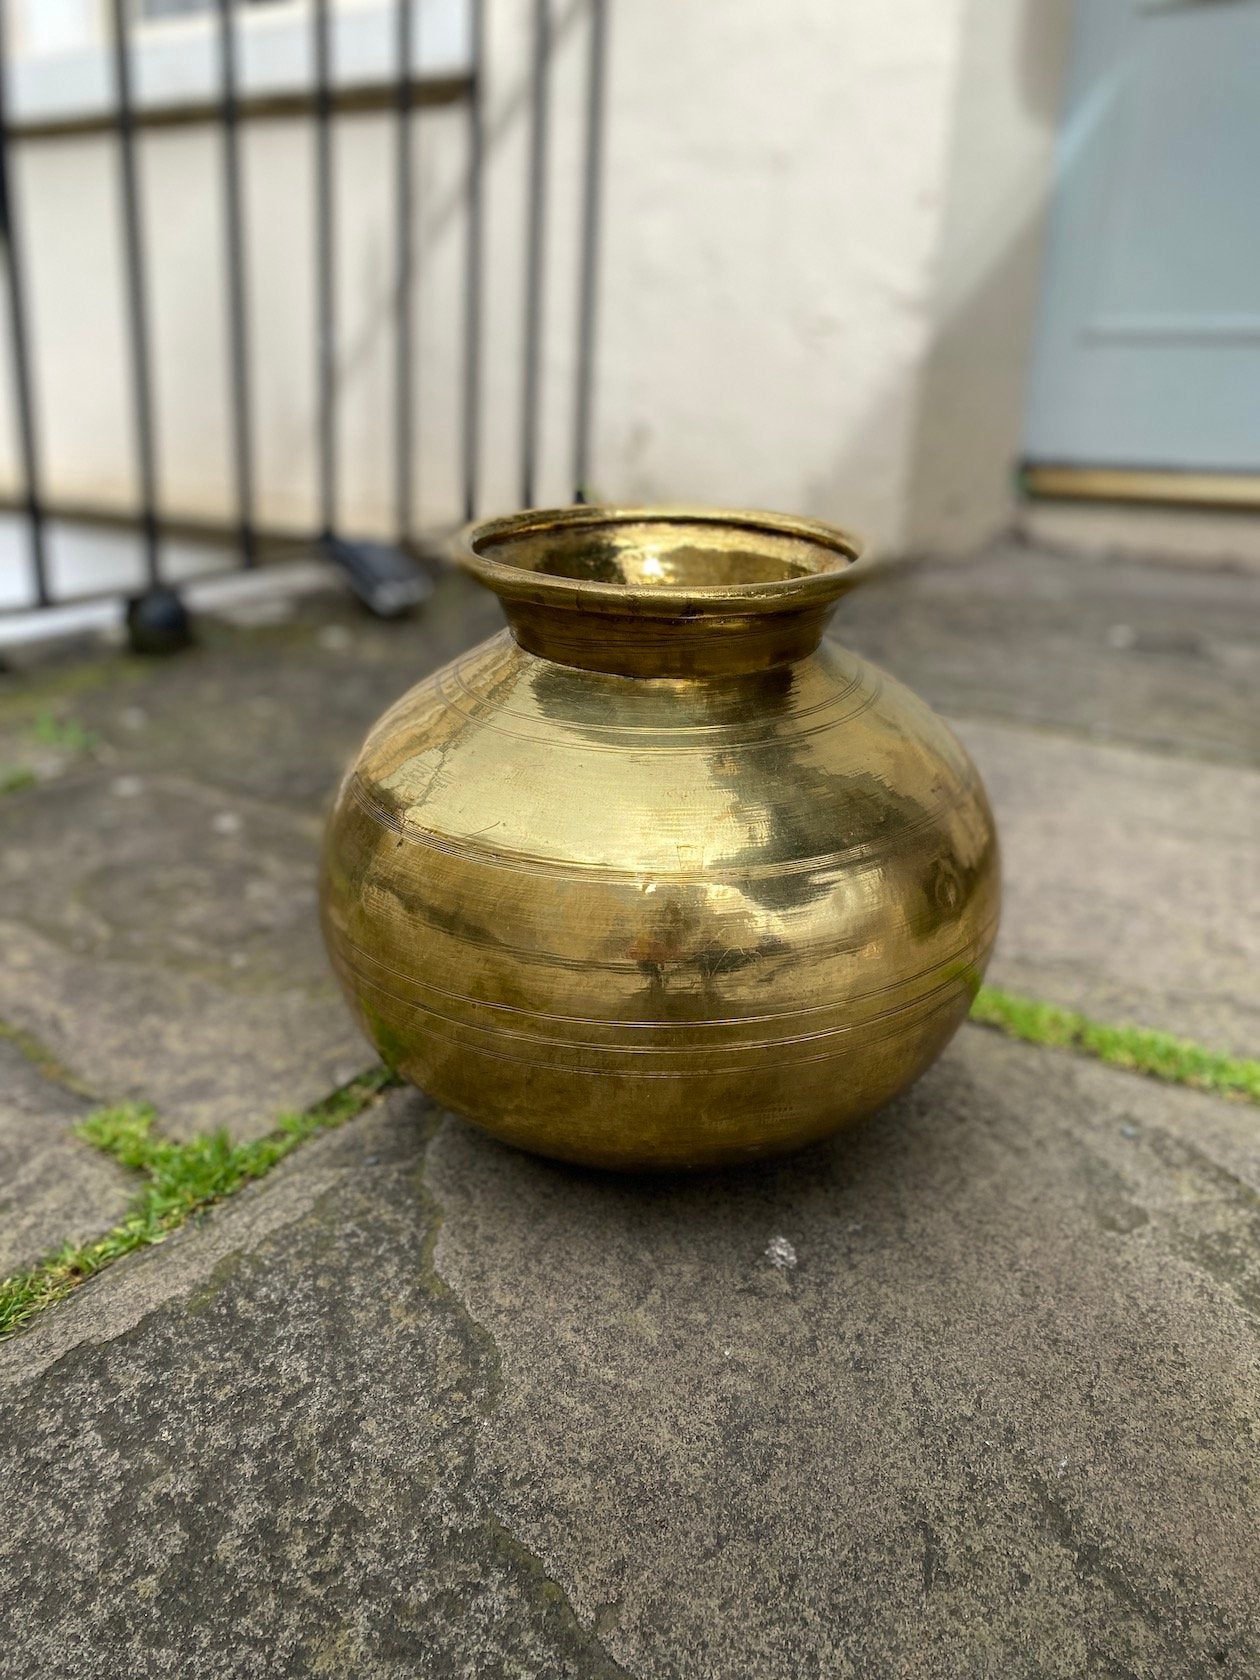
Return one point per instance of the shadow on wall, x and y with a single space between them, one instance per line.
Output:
955 399
1000 173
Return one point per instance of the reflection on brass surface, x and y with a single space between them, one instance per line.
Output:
656 877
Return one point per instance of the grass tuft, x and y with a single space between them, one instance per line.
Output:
181 1179
66 733
1159 1055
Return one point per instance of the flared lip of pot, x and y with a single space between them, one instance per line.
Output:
831 552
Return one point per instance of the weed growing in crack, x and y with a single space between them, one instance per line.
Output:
1159 1055
181 1179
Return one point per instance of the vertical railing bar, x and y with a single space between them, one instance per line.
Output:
20 344
324 278
588 274
234 232
473 260
403 349
534 250
137 308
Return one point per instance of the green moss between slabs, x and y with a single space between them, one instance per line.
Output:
181 1179
1159 1055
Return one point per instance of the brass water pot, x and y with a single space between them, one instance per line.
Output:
657 877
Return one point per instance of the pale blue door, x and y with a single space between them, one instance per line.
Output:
1148 345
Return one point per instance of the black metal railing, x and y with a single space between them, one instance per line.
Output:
379 572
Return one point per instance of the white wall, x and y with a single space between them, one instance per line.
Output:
775 201
809 214
53 26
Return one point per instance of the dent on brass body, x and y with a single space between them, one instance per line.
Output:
657 877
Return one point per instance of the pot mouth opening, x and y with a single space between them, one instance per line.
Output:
660 561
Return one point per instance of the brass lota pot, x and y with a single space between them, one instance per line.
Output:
656 877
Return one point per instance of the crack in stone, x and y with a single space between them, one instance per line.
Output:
43 1059
510 1541
1090 1561
110 1393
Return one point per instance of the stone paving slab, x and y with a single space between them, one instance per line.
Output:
420 1405
53 1187
168 948
1131 882
1157 656
157 885
270 714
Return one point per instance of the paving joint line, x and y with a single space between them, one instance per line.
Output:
181 1180
1143 1050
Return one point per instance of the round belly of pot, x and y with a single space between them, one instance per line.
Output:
711 893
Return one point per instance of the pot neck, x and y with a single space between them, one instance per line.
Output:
670 592
712 643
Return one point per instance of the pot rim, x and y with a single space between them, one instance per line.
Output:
836 551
